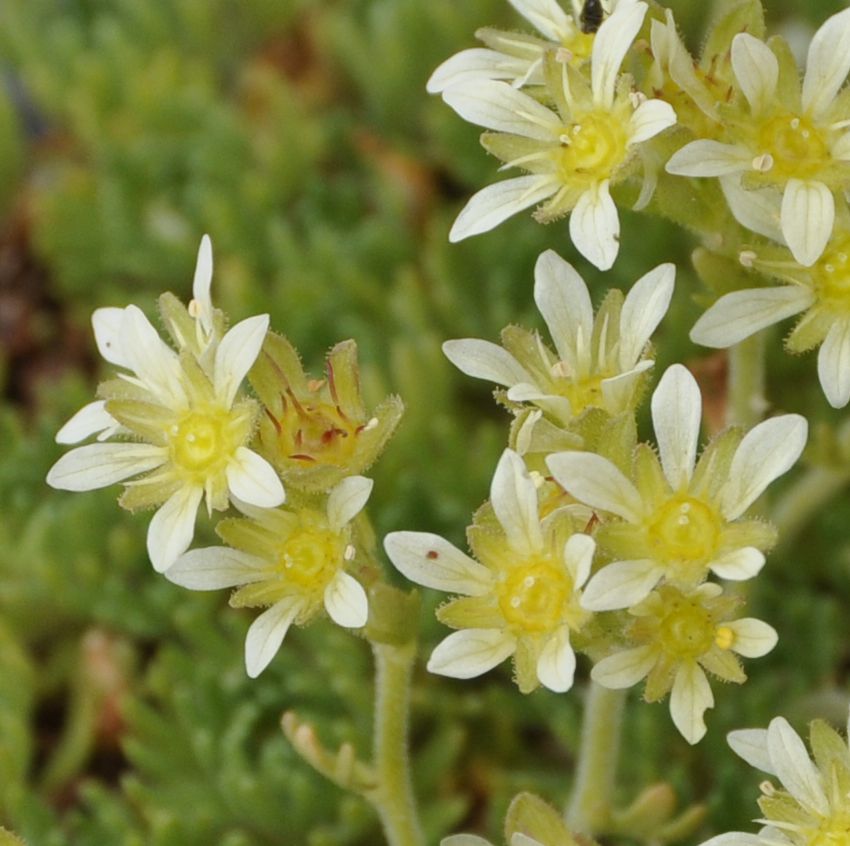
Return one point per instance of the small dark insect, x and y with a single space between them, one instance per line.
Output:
591 15
432 554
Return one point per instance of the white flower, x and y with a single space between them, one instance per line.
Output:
795 140
293 561
521 600
676 637
190 432
573 154
812 806
676 519
598 362
821 292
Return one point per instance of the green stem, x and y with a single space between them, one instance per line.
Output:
745 400
589 808
393 797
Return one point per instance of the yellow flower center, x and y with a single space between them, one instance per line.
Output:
684 529
582 393
796 145
310 558
202 442
316 431
832 276
534 597
592 149
833 831
580 45
687 630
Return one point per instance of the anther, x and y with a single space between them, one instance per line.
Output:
349 553
763 163
747 257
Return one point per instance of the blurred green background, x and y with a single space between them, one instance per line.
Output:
298 134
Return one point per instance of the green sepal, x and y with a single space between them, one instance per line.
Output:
393 615
732 17
530 815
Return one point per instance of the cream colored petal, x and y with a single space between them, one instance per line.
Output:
564 302
201 307
807 217
595 226
429 560
485 360
217 567
559 407
757 209
735 838
646 303
266 634
520 839
347 500
513 496
173 526
578 557
556 665
689 699
756 70
496 203
794 768
498 106
740 314
89 420
471 652
676 418
766 452
621 584
624 669
94 466
106 323
840 148
753 638
709 158
827 64
464 840
834 364
473 66
617 391
738 565
612 42
155 363
252 479
546 16
236 354
751 745
648 119
595 481
346 601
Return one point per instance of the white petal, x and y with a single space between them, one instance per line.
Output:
840 149
756 209
201 306
558 407
807 217
793 766
499 106
617 390
87 421
431 561
834 364
735 838
738 565
556 665
236 354
645 304
520 839
485 360
347 500
709 158
464 840
94 466
578 557
346 602
595 226
564 302
546 16
624 669
690 696
753 638
471 652
473 66
740 314
827 64
106 323
751 745
676 418
266 634
155 363
252 479
216 567
765 453
595 481
173 526
496 203
610 45
513 496
621 584
648 119
756 70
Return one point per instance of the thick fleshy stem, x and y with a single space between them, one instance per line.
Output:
393 796
589 808
745 400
